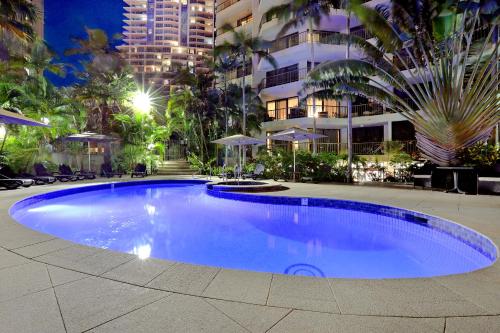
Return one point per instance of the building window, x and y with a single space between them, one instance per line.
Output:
282 109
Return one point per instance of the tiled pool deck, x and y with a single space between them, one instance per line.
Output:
51 285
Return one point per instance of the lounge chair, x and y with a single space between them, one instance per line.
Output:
257 173
41 171
7 173
139 171
107 171
81 174
66 170
11 184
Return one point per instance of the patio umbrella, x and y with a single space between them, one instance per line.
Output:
9 117
295 134
239 140
14 118
90 137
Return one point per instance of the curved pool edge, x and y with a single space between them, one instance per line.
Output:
402 292
470 237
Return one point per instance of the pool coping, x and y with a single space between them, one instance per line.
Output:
443 297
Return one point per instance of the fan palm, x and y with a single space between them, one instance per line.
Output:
448 89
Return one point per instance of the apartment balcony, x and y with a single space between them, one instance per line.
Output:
337 111
228 10
288 49
358 148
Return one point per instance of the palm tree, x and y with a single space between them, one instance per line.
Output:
297 13
243 47
223 65
106 82
447 88
17 18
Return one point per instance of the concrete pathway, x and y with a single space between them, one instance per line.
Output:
52 285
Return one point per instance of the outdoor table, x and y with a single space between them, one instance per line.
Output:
455 171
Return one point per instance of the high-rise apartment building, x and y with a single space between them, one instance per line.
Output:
158 34
281 88
39 26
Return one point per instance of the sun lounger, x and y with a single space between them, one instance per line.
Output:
7 173
140 170
107 171
41 171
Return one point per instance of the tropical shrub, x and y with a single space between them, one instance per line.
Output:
481 154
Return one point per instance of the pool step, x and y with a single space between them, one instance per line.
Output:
174 168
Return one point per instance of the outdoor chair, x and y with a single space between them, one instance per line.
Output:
7 173
39 180
11 184
66 170
41 171
140 170
257 173
107 171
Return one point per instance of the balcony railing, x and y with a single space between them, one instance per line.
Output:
362 148
331 111
225 4
321 37
284 78
362 33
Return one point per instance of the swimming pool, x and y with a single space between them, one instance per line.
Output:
182 221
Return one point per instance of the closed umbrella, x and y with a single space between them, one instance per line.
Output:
295 134
90 137
239 140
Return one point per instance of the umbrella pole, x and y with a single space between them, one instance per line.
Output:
88 150
293 144
239 159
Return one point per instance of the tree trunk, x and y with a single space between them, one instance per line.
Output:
349 108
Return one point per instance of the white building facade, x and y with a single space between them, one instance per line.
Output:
158 34
281 88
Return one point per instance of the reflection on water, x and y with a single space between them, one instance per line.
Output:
183 223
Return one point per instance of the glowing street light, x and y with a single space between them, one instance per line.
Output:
142 102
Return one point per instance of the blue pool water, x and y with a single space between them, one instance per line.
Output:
181 222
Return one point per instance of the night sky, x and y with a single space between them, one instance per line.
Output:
68 18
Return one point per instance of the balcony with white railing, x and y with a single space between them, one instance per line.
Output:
333 111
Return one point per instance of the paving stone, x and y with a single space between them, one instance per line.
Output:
60 276
92 301
489 324
86 259
184 278
176 313
139 271
315 322
36 313
9 259
243 286
39 249
405 297
22 280
301 292
255 318
15 236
